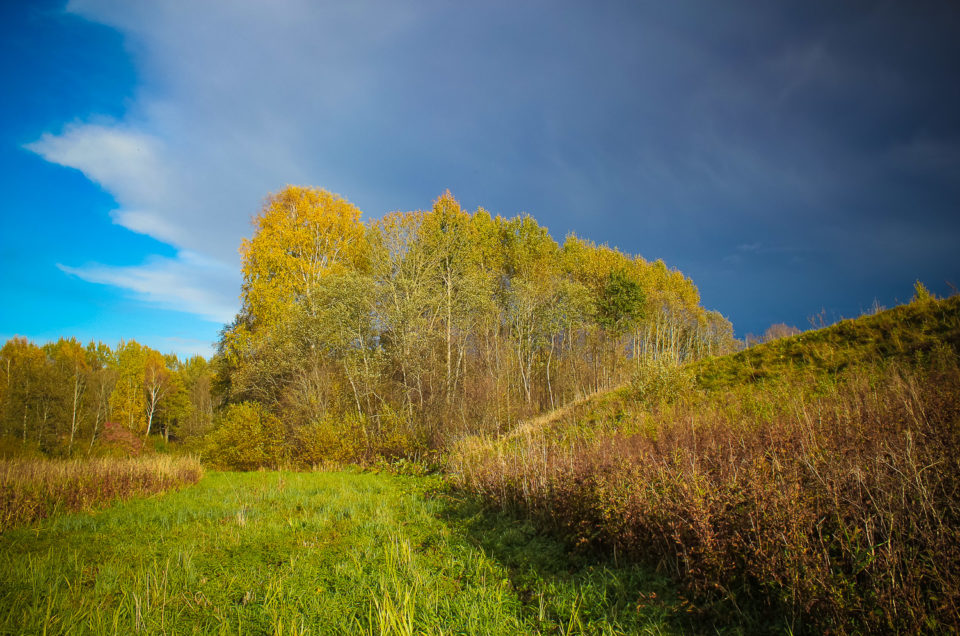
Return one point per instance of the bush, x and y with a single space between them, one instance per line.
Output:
247 437
117 440
394 436
656 381
330 440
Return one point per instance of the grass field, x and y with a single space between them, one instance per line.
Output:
294 553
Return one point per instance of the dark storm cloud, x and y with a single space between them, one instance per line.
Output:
787 157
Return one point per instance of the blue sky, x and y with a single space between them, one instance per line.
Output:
789 157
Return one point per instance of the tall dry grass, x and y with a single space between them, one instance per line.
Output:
32 489
835 504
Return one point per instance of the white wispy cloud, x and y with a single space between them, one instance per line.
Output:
235 100
190 282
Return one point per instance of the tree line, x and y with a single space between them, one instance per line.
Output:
390 337
64 398
386 338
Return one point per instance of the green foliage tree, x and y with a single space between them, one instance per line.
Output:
621 303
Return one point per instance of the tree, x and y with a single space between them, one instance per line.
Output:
197 378
128 399
158 383
407 298
70 359
621 304
103 379
448 235
25 383
300 236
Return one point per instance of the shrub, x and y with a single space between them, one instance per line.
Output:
247 437
657 381
117 440
394 436
330 440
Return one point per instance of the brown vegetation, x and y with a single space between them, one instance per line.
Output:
833 502
32 489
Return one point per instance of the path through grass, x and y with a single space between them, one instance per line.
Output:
291 553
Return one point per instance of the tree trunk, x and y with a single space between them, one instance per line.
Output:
550 386
449 331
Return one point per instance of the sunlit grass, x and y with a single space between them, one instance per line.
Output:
295 553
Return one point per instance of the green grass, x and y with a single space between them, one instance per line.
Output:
292 553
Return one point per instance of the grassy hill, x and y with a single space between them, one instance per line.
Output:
911 335
808 484
908 333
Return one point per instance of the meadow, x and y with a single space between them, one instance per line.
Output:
810 484
316 553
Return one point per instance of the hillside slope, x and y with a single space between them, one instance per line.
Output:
905 333
810 484
910 335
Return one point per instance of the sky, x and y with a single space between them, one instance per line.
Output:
795 159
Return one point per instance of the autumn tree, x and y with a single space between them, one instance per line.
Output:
70 360
101 382
439 322
158 384
26 383
128 400
196 375
407 300
300 236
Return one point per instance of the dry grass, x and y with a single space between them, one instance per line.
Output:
32 489
835 503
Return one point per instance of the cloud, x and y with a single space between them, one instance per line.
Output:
190 283
679 132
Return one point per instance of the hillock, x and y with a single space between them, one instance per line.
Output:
810 484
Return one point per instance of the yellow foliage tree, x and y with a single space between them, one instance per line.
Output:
300 236
128 401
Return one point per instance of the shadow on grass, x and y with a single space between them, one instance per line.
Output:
568 590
